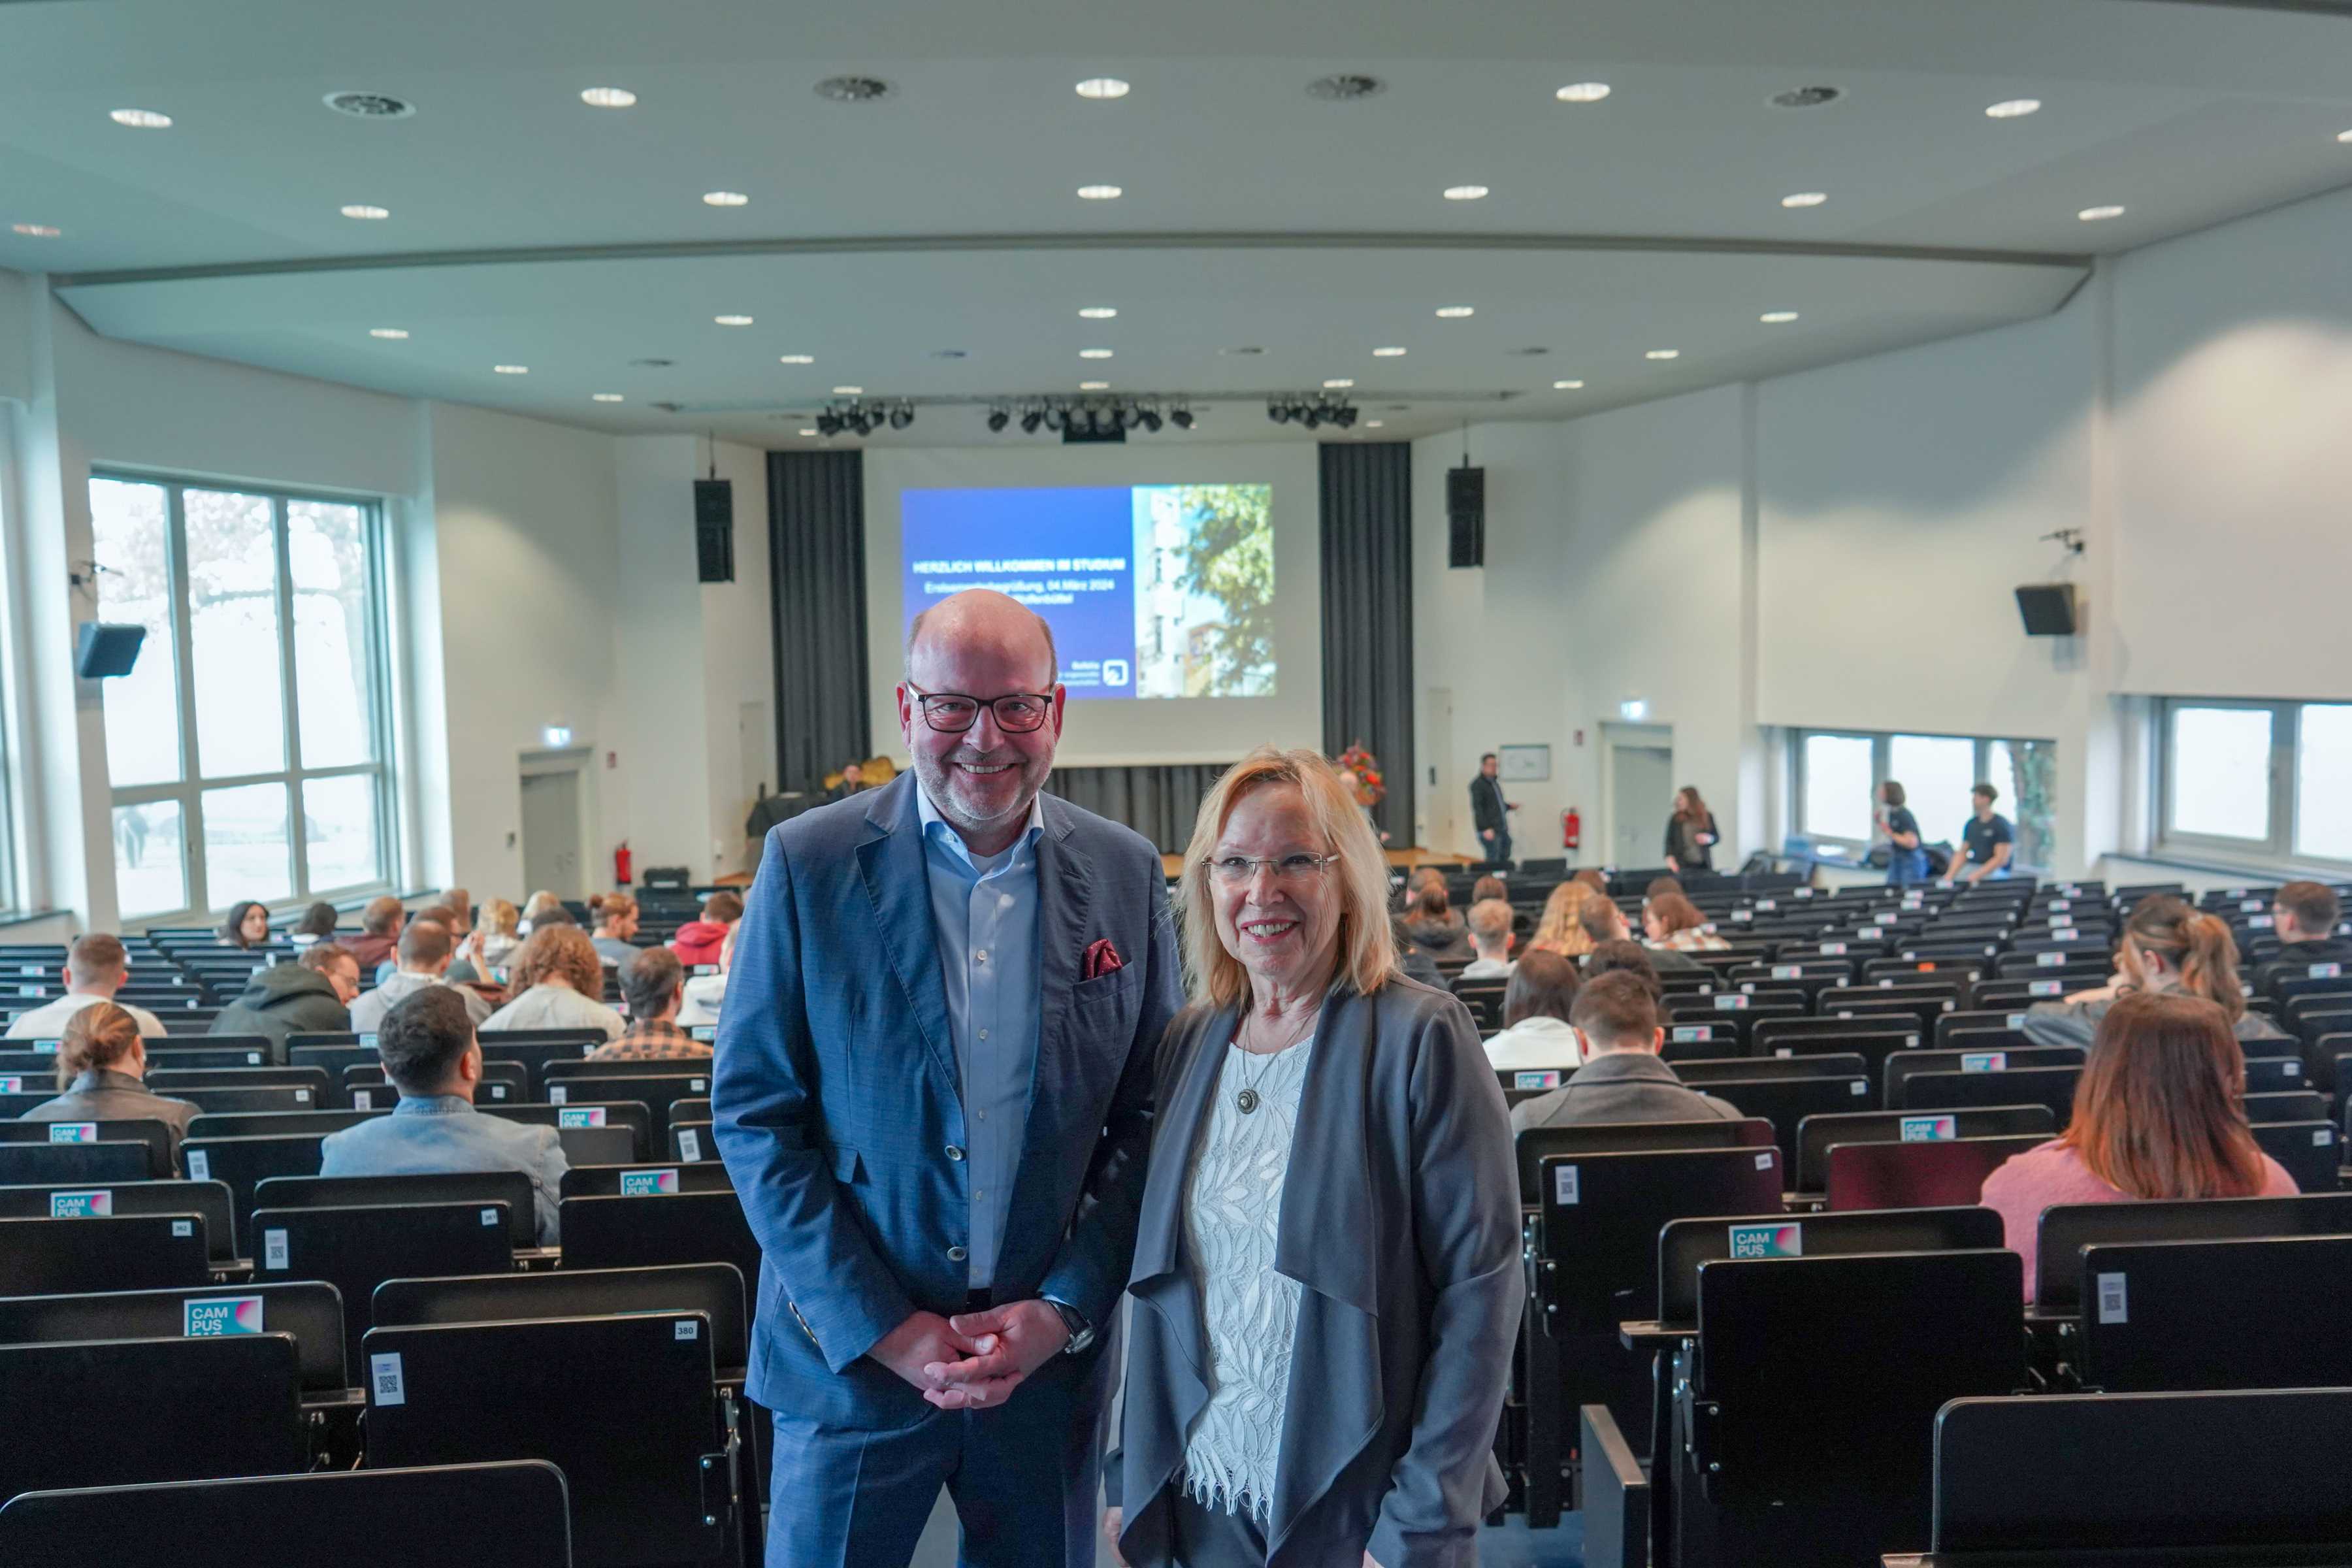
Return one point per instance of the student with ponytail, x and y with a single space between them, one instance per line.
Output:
2167 946
101 1061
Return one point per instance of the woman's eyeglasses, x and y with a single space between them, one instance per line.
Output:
1235 870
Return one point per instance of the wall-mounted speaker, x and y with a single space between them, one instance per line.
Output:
1466 517
104 649
714 530
2050 609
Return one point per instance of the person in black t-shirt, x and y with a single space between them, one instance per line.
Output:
1906 861
1985 843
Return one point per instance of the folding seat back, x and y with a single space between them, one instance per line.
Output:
623 1404
1685 1244
2297 1104
1600 1216
1538 1079
74 1165
1962 1059
512 1515
1874 1046
309 1311
357 1248
716 1290
2275 1074
1918 1175
646 1180
536 1048
208 1201
154 1136
367 1087
170 1079
1998 1026
214 1098
243 1163
2261 1312
1818 1132
216 1055
2067 1228
692 1142
512 1188
118 1252
2051 1086
278 1123
1537 1144
1724 1069
1786 1102
638 1232
617 1125
2311 1152
654 1086
109 1412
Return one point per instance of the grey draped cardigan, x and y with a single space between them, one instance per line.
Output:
1400 1219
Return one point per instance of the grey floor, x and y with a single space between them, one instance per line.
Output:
1510 1545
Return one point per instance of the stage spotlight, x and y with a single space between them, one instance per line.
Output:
1151 418
828 423
1277 412
1130 416
860 424
997 420
1344 417
1310 418
1055 418
902 416
1183 418
1030 421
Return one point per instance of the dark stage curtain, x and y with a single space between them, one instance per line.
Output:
816 534
1367 494
1158 801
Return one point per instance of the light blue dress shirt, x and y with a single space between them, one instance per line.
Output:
984 916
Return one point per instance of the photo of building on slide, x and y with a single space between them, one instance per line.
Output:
1203 591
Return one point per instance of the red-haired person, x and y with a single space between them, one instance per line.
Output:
2157 1115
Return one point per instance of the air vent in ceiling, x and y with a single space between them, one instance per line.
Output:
854 88
1345 87
654 363
950 353
1530 352
670 407
1807 97
1245 349
370 105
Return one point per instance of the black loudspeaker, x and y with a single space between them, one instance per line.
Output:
2049 609
1466 517
105 650
714 530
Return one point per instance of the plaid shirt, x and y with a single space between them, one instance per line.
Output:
656 1039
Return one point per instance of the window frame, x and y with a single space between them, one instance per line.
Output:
2275 852
190 788
1882 750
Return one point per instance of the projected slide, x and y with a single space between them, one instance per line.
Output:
1153 590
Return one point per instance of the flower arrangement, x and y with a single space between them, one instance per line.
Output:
1370 787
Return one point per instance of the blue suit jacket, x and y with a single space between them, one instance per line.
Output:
835 1096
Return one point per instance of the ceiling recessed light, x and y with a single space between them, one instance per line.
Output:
1373 424
1805 96
1568 386
1805 199
1099 193
1774 318
606 397
810 430
2343 136
1245 349
854 88
387 331
511 369
1465 193
608 98
36 230
2012 108
796 359
1582 92
1390 353
849 392
1337 382
140 119
1455 313
361 210
1094 386
1094 353
1098 313
1664 354
732 321
724 199
369 105
2099 214
1102 86
1345 87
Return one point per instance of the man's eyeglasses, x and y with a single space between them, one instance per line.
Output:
953 712
1237 870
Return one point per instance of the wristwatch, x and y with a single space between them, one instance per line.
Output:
1082 1333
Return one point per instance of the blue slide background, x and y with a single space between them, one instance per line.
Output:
1044 547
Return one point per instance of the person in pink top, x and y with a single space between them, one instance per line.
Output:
2158 1115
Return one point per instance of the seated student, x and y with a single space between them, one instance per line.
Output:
1560 927
380 925
1672 922
246 924
616 915
2305 915
2166 946
1430 922
559 983
1987 842
96 967
459 902
1660 886
853 780
1633 958
538 907
1604 922
1490 935
489 945
1489 886
698 940
310 995
1536 1032
702 994
425 950
317 924
101 1060
1411 961
1617 1038
654 981
2157 1115
431 1056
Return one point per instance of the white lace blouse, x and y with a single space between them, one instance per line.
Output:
1232 1214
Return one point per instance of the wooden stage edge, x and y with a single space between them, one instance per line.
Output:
1399 860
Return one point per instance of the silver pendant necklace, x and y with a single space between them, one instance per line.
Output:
1247 1100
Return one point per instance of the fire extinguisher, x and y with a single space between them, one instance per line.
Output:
621 864
1571 828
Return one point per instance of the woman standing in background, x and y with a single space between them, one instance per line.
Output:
1690 837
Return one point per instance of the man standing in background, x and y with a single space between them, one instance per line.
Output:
1489 811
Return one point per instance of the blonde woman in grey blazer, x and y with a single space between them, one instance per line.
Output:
1326 1273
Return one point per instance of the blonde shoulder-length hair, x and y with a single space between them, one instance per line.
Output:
1361 876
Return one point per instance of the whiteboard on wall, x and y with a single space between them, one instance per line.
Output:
1524 764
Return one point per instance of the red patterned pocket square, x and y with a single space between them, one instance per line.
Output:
1101 959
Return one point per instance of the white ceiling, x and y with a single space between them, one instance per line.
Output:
529 229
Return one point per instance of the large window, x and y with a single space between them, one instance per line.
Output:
1838 771
2267 781
247 748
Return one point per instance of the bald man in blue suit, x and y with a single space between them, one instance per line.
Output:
933 1091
